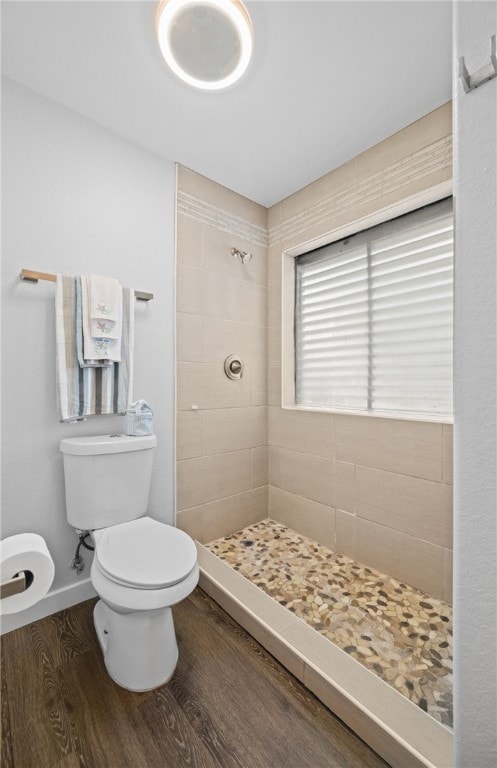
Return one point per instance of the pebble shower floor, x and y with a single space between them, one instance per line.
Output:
394 630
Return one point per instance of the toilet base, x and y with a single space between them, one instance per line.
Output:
139 648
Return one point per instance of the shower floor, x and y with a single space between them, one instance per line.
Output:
394 630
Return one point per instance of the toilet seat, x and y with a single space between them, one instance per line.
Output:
144 554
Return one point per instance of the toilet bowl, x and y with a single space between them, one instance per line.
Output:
140 570
141 567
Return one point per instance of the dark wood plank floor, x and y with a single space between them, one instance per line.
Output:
229 704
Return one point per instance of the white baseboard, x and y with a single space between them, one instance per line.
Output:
53 602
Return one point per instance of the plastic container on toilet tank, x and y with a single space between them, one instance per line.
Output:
107 478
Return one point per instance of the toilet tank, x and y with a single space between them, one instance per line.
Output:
107 478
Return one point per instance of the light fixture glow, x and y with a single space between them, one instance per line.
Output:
206 43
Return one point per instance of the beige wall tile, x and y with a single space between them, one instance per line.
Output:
447 453
212 477
225 337
205 385
188 337
232 429
214 194
302 474
274 216
190 521
258 384
274 385
274 265
217 256
417 562
188 240
312 194
317 521
420 508
259 463
233 299
407 447
344 482
274 345
189 289
274 305
231 514
447 586
360 187
304 431
188 435
417 185
416 136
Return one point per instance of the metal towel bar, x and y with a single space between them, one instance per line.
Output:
33 277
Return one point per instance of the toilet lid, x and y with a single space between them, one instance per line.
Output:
145 554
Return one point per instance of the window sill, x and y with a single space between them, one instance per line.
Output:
397 415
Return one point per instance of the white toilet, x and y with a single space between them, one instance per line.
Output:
140 568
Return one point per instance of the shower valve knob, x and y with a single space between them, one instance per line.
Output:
233 367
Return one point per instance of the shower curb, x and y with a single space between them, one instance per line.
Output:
398 730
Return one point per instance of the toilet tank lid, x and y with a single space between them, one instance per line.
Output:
114 443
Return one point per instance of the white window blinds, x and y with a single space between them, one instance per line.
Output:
373 318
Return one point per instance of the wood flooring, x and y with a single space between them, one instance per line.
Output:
230 704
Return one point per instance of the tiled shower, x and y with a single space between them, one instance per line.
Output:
368 498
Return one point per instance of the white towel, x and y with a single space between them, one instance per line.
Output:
101 346
105 298
89 391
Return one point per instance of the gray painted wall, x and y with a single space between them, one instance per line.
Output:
475 496
77 199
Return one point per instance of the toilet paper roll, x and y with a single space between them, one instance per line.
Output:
26 552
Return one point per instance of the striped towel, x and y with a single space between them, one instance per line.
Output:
90 391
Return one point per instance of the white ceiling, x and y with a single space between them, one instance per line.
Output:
328 80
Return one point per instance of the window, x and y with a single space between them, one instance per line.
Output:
373 318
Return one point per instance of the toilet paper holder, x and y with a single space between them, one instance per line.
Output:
18 583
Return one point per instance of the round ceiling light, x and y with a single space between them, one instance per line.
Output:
207 43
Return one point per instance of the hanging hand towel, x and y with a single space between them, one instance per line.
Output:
90 391
105 298
97 346
79 334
